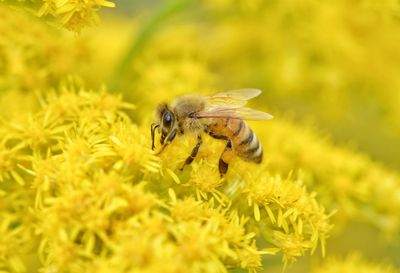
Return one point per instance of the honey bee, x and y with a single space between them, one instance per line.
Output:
221 116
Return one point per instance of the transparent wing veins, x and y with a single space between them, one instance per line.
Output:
230 104
243 94
231 98
240 112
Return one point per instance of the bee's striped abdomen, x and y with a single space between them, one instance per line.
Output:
244 141
247 145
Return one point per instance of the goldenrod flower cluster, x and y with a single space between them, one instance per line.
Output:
83 186
82 191
345 181
71 14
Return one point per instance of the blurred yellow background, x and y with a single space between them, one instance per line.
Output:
329 71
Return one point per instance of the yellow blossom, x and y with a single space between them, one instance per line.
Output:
72 14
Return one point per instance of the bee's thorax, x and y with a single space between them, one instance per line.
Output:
184 106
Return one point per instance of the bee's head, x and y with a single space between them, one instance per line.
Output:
166 120
165 124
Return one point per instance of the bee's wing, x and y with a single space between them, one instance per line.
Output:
238 94
239 112
231 98
230 104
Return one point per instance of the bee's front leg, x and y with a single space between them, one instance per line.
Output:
170 138
193 153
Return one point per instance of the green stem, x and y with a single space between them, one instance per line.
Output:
145 34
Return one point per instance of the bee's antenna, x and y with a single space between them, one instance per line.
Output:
154 126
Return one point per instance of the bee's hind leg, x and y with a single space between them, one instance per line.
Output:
193 153
225 158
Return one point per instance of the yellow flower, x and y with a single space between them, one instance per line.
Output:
293 219
344 180
74 14
132 148
12 243
10 157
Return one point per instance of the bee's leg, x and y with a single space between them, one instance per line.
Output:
225 158
170 137
193 153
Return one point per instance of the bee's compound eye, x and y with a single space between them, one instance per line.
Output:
167 119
